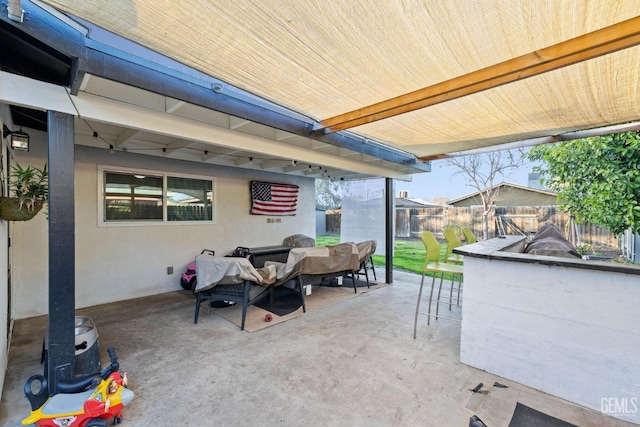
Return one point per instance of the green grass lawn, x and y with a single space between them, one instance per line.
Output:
408 254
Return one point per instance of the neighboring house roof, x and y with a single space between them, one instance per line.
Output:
509 195
409 202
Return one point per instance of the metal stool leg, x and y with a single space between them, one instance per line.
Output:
439 292
453 276
415 322
433 282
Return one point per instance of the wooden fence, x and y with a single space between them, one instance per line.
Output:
410 222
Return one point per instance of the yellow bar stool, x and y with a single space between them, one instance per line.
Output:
453 241
433 265
469 236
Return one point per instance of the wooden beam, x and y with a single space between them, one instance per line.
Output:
588 46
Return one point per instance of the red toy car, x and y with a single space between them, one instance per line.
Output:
88 401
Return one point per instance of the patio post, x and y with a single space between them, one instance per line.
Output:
389 228
61 334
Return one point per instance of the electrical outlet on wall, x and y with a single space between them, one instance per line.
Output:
170 270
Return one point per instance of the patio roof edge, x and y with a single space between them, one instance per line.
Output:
127 69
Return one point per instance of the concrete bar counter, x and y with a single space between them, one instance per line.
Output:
566 326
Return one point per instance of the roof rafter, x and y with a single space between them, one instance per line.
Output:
588 46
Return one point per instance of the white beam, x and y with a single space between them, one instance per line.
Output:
283 135
244 161
176 145
85 81
18 90
172 105
105 110
236 122
223 152
30 93
126 136
270 164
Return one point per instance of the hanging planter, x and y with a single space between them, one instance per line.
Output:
12 210
30 189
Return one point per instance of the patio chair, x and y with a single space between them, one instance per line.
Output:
453 241
433 265
230 279
469 236
366 250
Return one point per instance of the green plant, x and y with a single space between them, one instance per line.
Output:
586 249
597 179
29 185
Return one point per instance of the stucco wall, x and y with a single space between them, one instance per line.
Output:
4 278
566 331
118 263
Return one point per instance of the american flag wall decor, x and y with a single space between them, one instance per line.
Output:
273 199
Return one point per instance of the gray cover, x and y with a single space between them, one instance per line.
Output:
550 241
299 241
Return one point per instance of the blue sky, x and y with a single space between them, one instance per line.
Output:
441 182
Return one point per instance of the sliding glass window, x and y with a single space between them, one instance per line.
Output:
154 197
189 199
132 197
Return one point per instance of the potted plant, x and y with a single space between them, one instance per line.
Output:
29 189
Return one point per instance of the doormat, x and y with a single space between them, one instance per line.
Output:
285 301
523 416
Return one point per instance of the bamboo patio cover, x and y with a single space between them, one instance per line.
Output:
326 58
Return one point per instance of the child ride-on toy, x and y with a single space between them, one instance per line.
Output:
88 401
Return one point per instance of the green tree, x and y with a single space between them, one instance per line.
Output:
329 193
597 179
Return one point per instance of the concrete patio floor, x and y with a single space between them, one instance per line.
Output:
354 363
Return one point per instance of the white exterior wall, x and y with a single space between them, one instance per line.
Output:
119 263
569 332
4 274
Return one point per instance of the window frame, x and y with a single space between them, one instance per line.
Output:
102 222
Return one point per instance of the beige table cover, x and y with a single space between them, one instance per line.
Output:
212 271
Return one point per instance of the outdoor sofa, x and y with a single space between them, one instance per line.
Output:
314 266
